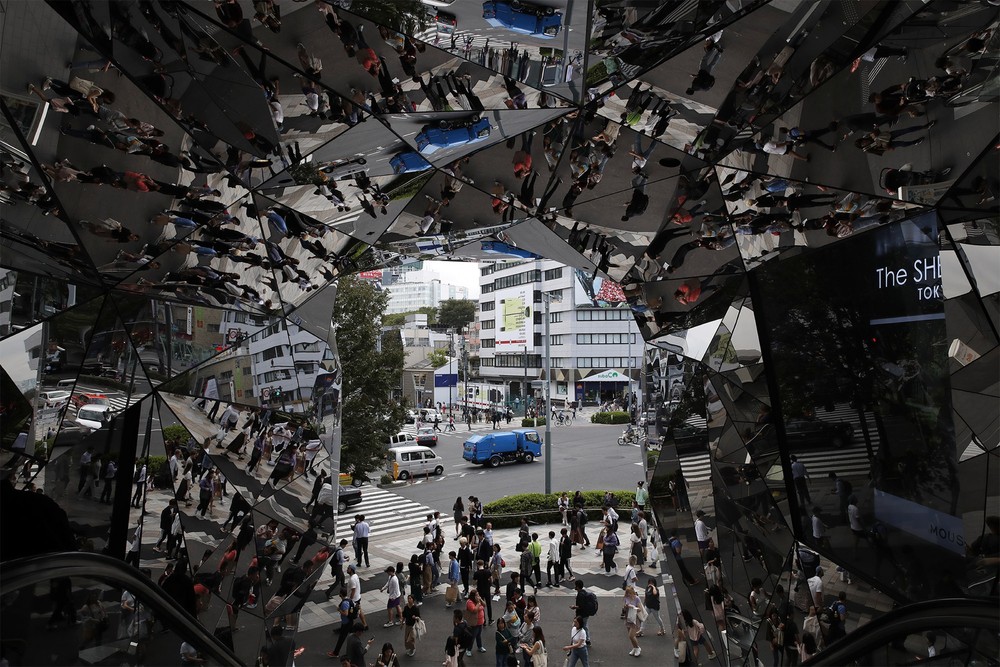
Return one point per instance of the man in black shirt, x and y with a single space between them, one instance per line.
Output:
356 647
483 578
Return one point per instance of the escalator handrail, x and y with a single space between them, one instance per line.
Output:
33 570
976 613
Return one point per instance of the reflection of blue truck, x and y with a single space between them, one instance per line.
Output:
409 161
521 445
524 17
444 134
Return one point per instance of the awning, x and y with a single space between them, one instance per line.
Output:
609 375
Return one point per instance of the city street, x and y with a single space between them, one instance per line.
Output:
575 449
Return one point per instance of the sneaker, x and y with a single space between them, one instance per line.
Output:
482 649
387 625
637 652
411 652
631 651
468 654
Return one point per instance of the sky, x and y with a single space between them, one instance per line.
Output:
463 274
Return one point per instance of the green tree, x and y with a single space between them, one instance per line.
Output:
456 313
371 371
437 358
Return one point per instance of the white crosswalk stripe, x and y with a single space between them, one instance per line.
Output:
385 511
850 461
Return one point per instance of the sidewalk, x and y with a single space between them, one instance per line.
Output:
319 619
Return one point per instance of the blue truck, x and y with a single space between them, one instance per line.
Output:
408 162
522 445
524 17
445 134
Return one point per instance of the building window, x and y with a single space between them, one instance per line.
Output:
487 306
486 325
272 353
561 388
604 339
555 318
557 340
605 362
603 314
487 343
246 370
553 274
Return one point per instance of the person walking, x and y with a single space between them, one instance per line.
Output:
475 616
110 470
394 597
552 561
652 603
362 531
577 648
566 554
411 615
800 478
641 495
585 606
205 493
459 511
634 613
166 520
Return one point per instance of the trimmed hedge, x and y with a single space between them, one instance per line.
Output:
531 421
542 508
610 418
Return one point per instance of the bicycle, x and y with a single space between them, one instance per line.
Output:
563 420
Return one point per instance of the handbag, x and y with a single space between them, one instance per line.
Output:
419 628
642 614
451 594
540 658
631 614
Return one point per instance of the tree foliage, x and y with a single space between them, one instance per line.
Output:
456 313
371 371
437 358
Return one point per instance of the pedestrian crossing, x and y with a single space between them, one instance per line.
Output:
385 511
850 461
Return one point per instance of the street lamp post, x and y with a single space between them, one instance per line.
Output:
628 369
451 362
547 298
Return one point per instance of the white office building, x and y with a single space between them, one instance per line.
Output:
405 297
593 343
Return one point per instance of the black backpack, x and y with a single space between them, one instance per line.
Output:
583 518
592 605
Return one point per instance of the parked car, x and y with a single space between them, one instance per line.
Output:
526 18
347 496
448 133
427 437
411 417
402 438
81 400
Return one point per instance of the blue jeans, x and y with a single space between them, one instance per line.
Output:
580 654
502 659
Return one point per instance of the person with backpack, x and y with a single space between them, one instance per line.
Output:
463 635
586 606
348 612
838 619
525 567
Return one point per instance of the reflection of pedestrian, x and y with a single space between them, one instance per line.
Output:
800 477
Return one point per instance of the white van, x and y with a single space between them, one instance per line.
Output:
413 461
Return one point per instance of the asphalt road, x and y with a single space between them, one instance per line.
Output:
585 456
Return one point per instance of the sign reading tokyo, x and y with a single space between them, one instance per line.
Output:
515 322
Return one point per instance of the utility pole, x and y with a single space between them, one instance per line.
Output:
628 370
524 393
547 298
451 364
